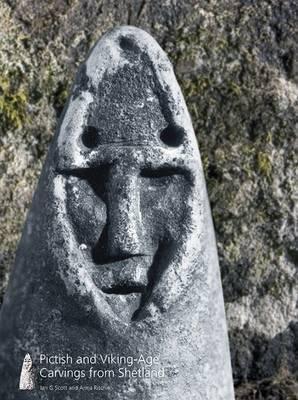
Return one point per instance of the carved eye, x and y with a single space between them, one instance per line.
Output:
172 135
90 137
95 177
86 210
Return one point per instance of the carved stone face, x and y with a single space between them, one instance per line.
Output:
129 166
27 363
118 254
128 213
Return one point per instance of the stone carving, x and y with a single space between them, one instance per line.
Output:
118 254
27 377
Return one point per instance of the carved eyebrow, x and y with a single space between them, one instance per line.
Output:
163 171
86 172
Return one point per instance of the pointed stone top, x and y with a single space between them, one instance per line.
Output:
125 94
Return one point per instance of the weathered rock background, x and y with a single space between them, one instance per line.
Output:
237 64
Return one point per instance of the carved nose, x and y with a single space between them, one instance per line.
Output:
125 233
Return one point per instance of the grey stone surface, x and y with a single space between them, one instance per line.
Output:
118 254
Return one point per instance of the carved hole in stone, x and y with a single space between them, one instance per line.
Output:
90 137
127 44
172 135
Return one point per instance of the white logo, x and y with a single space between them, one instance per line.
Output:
27 375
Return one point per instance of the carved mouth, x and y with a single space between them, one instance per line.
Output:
125 289
126 276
